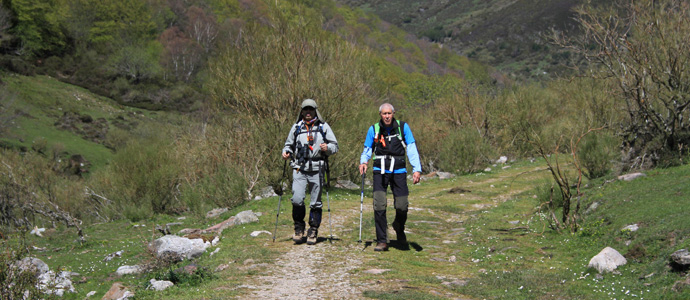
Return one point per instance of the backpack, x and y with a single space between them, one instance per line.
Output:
401 133
298 130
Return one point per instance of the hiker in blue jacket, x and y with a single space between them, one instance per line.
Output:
309 143
388 140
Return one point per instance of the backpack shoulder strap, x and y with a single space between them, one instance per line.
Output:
401 129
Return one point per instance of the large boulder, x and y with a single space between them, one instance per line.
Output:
178 248
32 264
607 260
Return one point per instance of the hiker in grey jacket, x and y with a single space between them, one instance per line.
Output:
309 143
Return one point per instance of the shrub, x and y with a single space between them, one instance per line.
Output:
463 151
144 178
596 154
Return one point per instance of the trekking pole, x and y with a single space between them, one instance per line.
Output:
279 200
361 204
330 225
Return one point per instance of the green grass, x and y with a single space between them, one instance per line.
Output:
38 102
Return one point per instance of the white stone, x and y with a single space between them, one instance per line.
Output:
631 176
632 227
126 270
180 247
258 232
159 285
607 260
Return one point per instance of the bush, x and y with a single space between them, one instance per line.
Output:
144 179
463 151
224 188
596 154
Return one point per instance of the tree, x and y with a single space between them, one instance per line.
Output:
643 47
182 56
38 27
201 27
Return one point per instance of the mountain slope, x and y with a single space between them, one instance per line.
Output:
506 34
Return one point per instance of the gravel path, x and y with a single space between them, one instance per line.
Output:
320 271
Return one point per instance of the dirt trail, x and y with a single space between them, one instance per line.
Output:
329 270
321 271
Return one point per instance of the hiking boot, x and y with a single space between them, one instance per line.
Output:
399 232
299 236
381 247
312 234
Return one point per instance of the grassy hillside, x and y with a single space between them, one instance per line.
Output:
501 33
61 120
485 242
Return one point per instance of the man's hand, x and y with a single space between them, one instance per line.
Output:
324 147
416 177
286 155
362 169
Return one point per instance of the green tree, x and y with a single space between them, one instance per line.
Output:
39 27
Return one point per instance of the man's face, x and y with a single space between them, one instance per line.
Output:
387 115
308 113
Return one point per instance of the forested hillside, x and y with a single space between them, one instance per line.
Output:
512 36
155 54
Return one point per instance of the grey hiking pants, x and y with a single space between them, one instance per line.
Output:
303 180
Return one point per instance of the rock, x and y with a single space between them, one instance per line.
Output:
456 282
216 212
607 260
592 207
502 160
631 176
178 248
346 184
118 292
452 258
127 270
487 169
445 175
32 264
245 217
110 256
258 232
376 271
265 193
91 293
514 222
222 267
681 257
159 285
57 284
631 228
